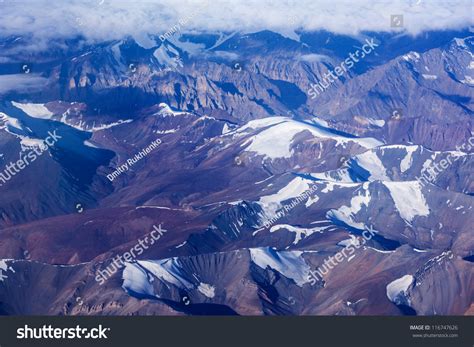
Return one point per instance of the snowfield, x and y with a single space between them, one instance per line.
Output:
409 199
277 134
396 290
34 110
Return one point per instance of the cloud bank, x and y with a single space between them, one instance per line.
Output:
114 19
21 83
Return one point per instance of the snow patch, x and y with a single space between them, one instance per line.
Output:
271 203
429 77
407 161
409 199
225 129
110 125
377 122
10 121
461 43
414 56
289 263
300 232
207 290
28 142
3 269
138 276
164 132
354 241
347 214
34 110
166 111
89 144
135 279
276 140
372 163
397 290
468 80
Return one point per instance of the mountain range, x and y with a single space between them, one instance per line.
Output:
256 183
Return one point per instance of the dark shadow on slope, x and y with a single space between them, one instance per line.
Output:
202 309
469 258
377 241
290 95
407 310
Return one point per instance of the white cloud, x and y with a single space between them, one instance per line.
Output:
310 58
21 83
226 55
114 19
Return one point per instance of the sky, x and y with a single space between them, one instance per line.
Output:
100 20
